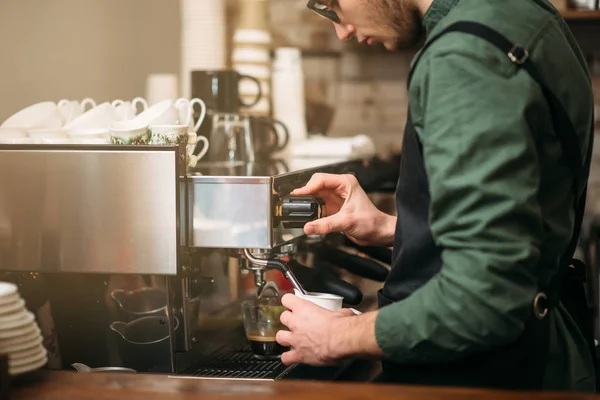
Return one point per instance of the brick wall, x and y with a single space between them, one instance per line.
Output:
366 87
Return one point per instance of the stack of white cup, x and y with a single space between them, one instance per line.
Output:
288 93
39 117
251 54
203 38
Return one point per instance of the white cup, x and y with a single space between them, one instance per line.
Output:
48 133
175 134
129 132
123 109
85 102
162 113
71 109
99 117
56 140
44 115
186 112
26 140
13 133
331 302
129 109
168 134
85 136
193 141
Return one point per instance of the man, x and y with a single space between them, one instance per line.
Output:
494 165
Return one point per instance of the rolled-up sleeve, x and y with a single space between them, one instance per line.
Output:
483 172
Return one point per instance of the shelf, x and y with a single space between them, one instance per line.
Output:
581 14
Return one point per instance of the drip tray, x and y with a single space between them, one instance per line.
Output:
238 363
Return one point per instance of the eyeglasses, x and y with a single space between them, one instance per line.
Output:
323 10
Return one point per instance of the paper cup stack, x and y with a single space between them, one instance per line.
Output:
20 336
203 38
251 54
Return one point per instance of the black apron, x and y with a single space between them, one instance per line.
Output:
417 258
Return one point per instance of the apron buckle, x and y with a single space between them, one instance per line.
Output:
518 54
540 305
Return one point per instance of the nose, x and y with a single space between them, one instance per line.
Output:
344 32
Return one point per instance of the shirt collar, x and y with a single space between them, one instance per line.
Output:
438 10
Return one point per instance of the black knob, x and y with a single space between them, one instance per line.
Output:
295 211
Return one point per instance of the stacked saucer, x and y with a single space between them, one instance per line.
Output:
20 336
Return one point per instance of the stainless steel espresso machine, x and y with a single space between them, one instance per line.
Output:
131 260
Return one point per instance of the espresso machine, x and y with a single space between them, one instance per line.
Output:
132 261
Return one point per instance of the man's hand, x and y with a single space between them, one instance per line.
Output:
321 337
349 210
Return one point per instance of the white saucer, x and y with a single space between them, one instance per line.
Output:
27 357
9 299
16 328
16 321
13 317
10 308
7 289
29 351
28 367
20 343
18 331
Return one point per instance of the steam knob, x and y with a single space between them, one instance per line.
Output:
295 211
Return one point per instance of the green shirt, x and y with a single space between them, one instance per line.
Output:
501 204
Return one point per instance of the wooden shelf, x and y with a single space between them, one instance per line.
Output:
581 14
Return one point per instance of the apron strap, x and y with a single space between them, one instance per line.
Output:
565 131
567 283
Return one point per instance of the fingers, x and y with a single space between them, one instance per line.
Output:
320 181
291 357
326 225
284 338
290 301
285 318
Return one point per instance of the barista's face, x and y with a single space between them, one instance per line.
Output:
394 23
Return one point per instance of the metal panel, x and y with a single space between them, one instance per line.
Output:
89 210
233 213
233 207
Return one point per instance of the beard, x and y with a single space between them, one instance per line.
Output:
400 18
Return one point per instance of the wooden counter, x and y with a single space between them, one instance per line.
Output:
79 386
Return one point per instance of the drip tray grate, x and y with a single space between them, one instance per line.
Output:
239 363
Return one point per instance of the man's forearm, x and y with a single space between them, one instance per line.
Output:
355 337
